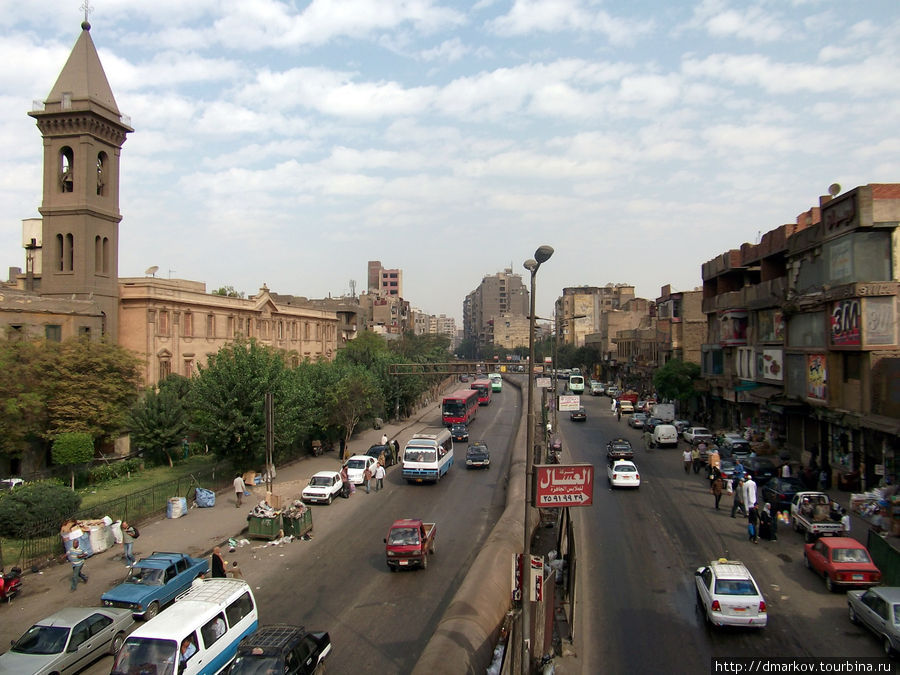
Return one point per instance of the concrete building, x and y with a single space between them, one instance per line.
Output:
588 303
511 330
383 281
499 294
680 325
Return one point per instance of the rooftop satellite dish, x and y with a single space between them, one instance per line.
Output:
152 270
834 189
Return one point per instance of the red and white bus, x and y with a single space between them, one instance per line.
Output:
459 407
483 387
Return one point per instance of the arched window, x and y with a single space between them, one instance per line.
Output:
106 255
66 169
101 174
58 253
98 254
69 253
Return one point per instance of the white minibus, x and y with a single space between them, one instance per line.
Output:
576 384
197 635
428 455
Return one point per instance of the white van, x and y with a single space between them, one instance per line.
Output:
665 435
427 456
197 635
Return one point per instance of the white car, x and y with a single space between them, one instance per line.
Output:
324 486
357 465
694 435
728 595
622 473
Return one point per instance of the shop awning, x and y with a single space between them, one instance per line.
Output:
889 425
763 393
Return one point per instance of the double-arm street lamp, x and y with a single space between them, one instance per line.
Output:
541 255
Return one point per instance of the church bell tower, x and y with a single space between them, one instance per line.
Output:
83 134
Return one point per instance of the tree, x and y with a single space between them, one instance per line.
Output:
23 410
158 422
355 397
72 448
228 292
675 380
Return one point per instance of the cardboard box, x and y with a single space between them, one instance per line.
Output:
275 501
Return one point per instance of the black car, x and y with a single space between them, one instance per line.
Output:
579 415
619 448
383 454
780 491
281 648
761 468
651 422
459 432
478 456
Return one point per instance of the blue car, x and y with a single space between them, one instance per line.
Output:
155 581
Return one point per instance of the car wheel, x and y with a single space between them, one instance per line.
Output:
888 647
330 499
152 611
425 561
851 613
116 643
829 584
806 562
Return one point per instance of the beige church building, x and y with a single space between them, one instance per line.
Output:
71 284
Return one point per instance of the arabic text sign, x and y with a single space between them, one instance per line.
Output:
564 485
569 403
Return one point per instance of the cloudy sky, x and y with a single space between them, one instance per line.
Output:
288 142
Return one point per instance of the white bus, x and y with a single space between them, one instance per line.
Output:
576 384
197 635
428 455
496 382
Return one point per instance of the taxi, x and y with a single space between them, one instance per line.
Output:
728 595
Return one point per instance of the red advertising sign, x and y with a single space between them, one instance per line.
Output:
563 485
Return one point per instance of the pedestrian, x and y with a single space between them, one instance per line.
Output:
235 570
384 439
845 522
395 450
686 458
823 479
767 524
648 440
239 489
379 477
738 469
342 444
618 414
717 485
367 478
695 459
738 502
750 493
129 534
76 556
217 568
753 525
786 470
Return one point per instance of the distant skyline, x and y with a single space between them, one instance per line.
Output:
287 143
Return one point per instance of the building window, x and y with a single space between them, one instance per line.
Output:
306 330
101 174
69 253
106 255
188 367
165 368
98 254
162 326
58 253
293 330
53 332
211 325
188 325
229 328
281 330
852 366
66 169
84 331
15 333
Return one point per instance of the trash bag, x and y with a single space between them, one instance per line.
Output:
205 498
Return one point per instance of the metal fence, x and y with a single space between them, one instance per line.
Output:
44 543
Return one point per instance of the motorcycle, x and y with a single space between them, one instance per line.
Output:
10 583
554 450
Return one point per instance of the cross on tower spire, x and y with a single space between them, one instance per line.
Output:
86 6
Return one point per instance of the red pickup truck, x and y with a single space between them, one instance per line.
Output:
408 544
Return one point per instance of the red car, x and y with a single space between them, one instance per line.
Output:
842 561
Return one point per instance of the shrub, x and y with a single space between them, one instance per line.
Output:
36 509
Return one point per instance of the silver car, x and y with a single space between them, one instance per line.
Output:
68 641
878 609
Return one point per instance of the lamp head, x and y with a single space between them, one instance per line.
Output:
531 265
543 253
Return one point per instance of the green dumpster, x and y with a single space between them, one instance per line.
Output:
297 526
263 528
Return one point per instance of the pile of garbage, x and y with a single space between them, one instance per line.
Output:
264 510
94 536
296 510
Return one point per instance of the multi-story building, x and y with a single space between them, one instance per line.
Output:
496 295
511 330
579 308
383 281
680 325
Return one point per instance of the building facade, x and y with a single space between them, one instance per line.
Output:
497 295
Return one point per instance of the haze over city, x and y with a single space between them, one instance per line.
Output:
288 143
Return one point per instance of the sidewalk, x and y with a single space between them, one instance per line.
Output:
196 534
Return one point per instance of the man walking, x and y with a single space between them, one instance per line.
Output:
686 458
129 534
367 478
384 439
648 440
738 502
749 493
76 556
239 488
379 477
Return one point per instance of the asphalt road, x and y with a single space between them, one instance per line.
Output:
380 621
639 549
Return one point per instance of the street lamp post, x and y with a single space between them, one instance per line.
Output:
541 255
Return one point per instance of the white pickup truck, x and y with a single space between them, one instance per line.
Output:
814 514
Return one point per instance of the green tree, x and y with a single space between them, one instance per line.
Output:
675 380
23 410
228 292
158 422
355 397
72 448
36 509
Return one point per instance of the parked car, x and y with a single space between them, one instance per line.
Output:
878 609
636 421
459 432
728 595
651 423
281 648
68 640
761 468
597 389
10 483
155 581
613 391
357 465
381 453
736 445
626 407
842 561
780 491
478 456
323 486
622 473
694 435
680 425
579 415
619 448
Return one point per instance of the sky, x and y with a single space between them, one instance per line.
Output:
288 142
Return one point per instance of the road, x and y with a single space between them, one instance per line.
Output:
380 621
638 550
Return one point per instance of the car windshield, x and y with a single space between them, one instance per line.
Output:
257 664
419 455
320 481
701 431
476 452
404 536
42 640
849 555
145 655
145 576
454 408
735 587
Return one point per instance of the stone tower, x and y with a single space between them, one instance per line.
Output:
83 134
